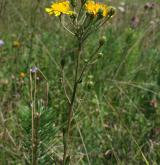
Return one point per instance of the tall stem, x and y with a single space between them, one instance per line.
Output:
71 104
35 119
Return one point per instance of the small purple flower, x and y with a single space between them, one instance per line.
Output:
34 69
1 43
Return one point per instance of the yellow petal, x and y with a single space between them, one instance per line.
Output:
49 11
57 13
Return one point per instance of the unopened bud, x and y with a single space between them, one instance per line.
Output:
102 40
100 55
90 15
100 13
73 3
73 16
90 84
111 11
85 60
90 76
80 81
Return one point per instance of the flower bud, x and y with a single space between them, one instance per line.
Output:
90 84
100 55
80 81
102 41
111 11
73 16
90 16
90 77
100 13
73 3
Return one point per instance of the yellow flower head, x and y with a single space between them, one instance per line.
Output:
16 44
94 8
59 8
22 75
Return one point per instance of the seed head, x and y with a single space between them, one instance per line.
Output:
102 40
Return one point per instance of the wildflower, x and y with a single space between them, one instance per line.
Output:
59 8
34 69
1 43
95 8
22 75
16 44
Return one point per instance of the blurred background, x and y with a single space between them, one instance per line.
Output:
117 117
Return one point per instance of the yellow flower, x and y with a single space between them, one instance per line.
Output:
22 75
59 8
16 44
94 8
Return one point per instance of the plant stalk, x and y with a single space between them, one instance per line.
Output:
71 104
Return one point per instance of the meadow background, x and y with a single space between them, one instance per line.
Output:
117 120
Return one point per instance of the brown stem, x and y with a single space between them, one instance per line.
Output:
35 119
71 104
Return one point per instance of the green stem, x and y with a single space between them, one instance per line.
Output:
87 63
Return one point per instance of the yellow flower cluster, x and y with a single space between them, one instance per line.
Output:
63 7
95 8
59 8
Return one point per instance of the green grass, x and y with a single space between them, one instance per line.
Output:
117 115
